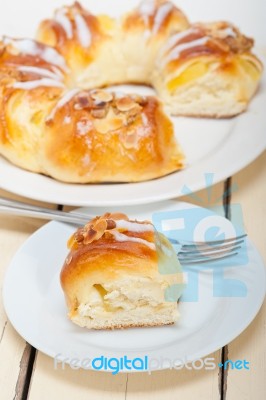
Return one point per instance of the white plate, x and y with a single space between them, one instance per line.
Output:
221 147
34 303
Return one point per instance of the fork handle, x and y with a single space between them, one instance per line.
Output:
12 207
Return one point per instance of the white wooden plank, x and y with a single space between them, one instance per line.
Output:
13 352
171 384
48 383
250 345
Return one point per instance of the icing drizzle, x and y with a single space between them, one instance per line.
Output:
175 47
28 85
83 32
40 71
175 53
62 19
133 226
67 17
33 48
120 237
173 40
162 13
147 9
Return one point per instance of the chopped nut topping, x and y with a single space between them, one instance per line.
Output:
82 101
92 222
141 100
79 237
126 104
109 124
100 225
96 228
110 224
100 113
91 236
102 96
240 44
134 111
95 231
226 37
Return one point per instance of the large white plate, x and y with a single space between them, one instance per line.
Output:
35 305
220 147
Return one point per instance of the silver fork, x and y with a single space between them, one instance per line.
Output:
208 252
189 253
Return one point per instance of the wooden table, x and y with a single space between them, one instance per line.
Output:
25 372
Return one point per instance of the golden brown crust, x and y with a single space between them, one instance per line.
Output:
78 39
96 128
107 133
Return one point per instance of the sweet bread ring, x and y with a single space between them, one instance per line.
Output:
51 123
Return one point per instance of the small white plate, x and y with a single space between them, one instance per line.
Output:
35 305
220 147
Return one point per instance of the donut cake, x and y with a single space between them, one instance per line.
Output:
118 274
57 119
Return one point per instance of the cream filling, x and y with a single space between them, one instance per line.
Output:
137 297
